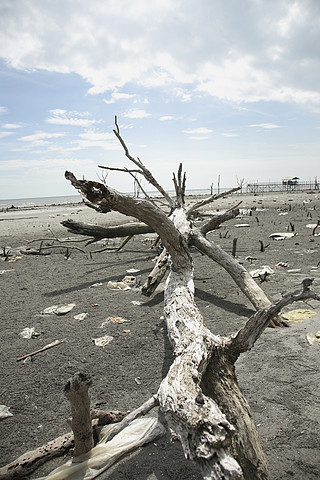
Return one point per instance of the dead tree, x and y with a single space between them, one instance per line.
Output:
199 397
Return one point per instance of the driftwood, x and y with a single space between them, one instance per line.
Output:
30 461
200 397
99 232
43 349
76 390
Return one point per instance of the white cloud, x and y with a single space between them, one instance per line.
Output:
40 136
267 126
106 141
115 96
198 131
3 109
229 135
198 138
5 134
63 117
11 126
136 114
164 118
256 50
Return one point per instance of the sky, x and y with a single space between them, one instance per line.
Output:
230 89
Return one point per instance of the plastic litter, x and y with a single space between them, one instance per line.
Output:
241 225
58 310
132 270
103 341
294 270
137 303
105 454
117 320
298 315
265 269
4 412
96 284
81 316
5 271
282 236
130 280
282 264
313 338
29 333
118 286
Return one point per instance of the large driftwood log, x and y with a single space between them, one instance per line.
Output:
199 397
99 232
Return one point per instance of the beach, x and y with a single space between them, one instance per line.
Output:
280 376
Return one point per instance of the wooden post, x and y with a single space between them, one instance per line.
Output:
234 247
76 390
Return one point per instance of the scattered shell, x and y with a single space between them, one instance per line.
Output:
96 284
138 380
137 303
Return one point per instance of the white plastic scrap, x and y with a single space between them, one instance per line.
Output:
282 236
118 286
81 316
265 269
58 310
105 454
96 284
4 412
240 225
29 333
102 341
132 270
5 271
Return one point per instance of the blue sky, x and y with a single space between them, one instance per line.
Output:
229 88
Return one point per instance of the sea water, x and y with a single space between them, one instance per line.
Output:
71 199
39 202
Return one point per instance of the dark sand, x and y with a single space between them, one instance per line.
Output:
280 376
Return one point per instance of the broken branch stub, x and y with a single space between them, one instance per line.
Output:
76 390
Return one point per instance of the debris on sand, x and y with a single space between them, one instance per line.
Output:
81 316
102 341
117 320
4 412
118 286
5 271
298 315
282 236
58 310
313 338
29 333
262 271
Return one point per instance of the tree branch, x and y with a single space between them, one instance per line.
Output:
210 199
248 335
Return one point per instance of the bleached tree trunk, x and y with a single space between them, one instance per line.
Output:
199 397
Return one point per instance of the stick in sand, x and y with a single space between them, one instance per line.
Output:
46 347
